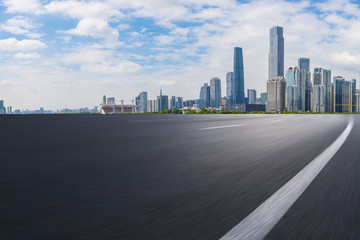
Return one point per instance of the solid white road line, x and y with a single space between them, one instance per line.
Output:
259 223
226 126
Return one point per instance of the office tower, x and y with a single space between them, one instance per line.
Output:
141 102
353 95
251 94
172 102
2 108
276 55
263 98
111 101
292 98
178 103
332 98
339 84
319 102
305 76
295 90
229 86
152 106
357 101
163 102
9 110
238 91
215 92
104 100
276 87
322 77
204 99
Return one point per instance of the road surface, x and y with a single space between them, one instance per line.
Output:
177 176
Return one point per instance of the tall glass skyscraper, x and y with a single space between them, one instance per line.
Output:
251 94
215 92
322 77
204 99
238 91
305 75
276 55
229 86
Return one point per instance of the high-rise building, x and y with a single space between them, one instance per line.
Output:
263 98
141 102
111 101
204 99
294 90
357 102
215 92
163 102
251 94
344 94
332 98
2 108
276 55
319 102
305 76
178 103
229 86
322 77
104 100
276 87
293 98
9 110
172 102
353 95
152 106
238 91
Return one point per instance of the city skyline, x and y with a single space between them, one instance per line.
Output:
44 65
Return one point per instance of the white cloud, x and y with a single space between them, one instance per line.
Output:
95 28
106 68
22 55
166 82
24 6
20 25
345 58
12 44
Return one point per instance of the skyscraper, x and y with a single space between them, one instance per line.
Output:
339 83
215 92
238 91
141 102
353 95
163 102
104 100
204 99
2 108
263 98
322 77
319 102
276 55
293 90
229 86
305 76
251 94
276 94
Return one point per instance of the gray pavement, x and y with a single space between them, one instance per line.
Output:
172 176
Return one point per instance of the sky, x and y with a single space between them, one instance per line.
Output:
68 54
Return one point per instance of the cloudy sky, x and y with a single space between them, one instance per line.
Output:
58 54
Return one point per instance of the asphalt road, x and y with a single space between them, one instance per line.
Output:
173 176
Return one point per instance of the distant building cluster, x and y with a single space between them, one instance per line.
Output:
294 89
297 93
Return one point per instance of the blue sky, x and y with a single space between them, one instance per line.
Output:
58 54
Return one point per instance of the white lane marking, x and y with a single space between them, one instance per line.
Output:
279 120
226 126
259 223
